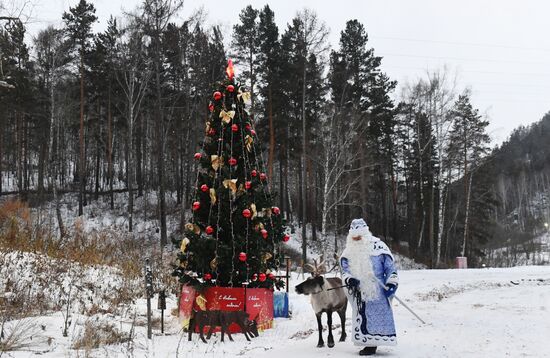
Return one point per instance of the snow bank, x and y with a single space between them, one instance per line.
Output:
54 284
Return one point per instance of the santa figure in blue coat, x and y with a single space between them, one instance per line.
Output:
368 271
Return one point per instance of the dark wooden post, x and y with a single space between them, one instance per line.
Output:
162 306
287 259
149 294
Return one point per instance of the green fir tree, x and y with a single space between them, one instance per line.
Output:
235 234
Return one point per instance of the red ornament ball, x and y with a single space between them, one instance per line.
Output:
207 277
235 128
248 126
217 95
246 213
209 230
286 238
276 210
204 188
271 276
254 277
232 161
198 156
262 277
248 185
230 88
253 132
211 107
263 176
254 173
196 205
264 233
242 256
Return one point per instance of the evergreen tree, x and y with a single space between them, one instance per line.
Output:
422 163
269 80
352 68
17 101
304 38
156 17
106 46
360 93
380 136
468 145
246 42
79 22
235 234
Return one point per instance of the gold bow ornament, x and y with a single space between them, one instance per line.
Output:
227 116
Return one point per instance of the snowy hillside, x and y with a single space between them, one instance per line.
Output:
532 252
469 313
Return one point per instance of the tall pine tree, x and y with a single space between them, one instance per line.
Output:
79 22
468 145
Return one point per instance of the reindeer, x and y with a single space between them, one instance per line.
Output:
223 319
248 327
327 296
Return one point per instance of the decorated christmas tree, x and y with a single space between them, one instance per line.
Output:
235 235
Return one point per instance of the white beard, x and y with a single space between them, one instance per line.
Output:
358 254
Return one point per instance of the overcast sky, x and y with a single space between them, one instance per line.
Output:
498 48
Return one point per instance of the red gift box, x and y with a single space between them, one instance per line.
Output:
257 302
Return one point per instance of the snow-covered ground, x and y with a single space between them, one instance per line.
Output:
532 252
469 313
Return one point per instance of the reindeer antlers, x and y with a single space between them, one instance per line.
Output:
318 269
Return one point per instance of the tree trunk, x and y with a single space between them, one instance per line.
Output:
421 188
326 195
281 184
467 184
312 198
41 165
97 168
187 173
179 160
139 156
271 138
25 155
441 215
290 206
19 151
81 139
252 96
160 139
53 159
1 150
431 224
303 179
467 214
130 163
336 231
395 232
110 148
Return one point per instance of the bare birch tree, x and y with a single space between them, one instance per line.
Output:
133 77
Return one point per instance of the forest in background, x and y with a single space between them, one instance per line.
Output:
124 110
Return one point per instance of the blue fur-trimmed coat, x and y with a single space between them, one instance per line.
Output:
372 320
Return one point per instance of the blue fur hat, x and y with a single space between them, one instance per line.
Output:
358 227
